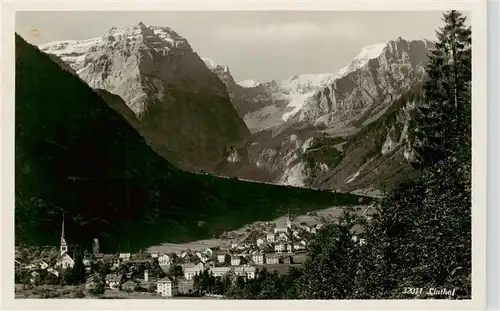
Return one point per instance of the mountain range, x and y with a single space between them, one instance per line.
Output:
81 154
182 108
346 130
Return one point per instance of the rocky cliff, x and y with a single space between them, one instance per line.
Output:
184 109
363 92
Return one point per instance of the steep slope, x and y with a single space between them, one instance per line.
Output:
376 157
74 155
267 105
184 109
373 80
359 95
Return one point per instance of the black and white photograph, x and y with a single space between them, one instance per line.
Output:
244 155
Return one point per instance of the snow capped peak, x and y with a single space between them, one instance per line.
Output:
72 52
306 81
212 65
366 54
248 83
209 63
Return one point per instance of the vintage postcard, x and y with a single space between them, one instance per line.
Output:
244 155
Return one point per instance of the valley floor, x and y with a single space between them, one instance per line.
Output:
309 218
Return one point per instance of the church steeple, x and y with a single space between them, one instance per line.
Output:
64 245
288 221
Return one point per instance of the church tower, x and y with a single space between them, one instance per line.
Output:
64 245
288 221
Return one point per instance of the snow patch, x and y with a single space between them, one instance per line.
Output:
297 102
248 83
352 178
366 53
212 65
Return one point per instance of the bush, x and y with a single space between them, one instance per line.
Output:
79 293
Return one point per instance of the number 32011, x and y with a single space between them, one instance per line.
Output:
413 290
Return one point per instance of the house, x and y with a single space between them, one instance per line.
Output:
362 241
279 248
220 271
283 237
202 256
258 259
270 237
272 259
154 255
41 264
296 234
166 287
191 270
221 258
259 242
34 275
235 260
288 260
65 261
313 230
208 252
53 271
17 265
184 286
164 260
247 272
129 286
280 230
114 281
99 256
298 247
289 248
87 263
124 256
115 262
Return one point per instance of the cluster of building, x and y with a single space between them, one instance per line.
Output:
289 238
270 246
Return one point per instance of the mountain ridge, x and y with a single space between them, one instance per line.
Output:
91 165
184 108
299 110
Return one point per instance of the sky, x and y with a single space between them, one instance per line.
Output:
258 45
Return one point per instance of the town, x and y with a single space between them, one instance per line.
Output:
264 245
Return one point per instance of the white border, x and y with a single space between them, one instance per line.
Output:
479 124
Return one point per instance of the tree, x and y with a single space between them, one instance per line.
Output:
442 125
243 260
103 268
175 271
330 271
78 270
96 287
227 260
51 279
